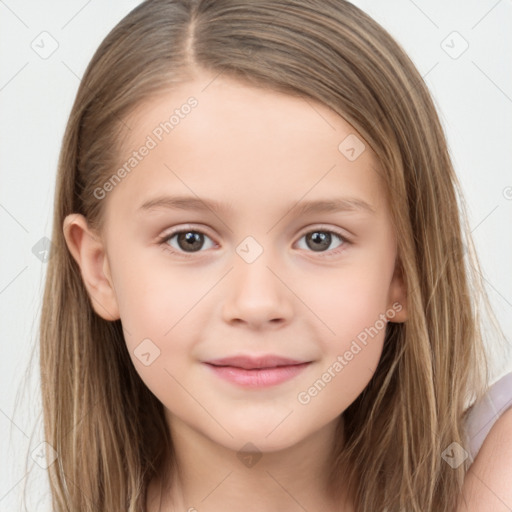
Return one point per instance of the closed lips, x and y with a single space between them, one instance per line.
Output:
256 363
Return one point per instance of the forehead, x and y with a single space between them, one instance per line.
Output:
219 138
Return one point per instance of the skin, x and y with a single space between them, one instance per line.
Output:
487 483
262 152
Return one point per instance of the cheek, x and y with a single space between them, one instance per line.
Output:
348 365
346 302
151 298
160 311
352 308
154 316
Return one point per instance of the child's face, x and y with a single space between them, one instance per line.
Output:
254 284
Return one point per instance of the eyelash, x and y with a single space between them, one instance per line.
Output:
162 241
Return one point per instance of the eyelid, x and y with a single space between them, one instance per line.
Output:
200 228
342 233
324 227
166 236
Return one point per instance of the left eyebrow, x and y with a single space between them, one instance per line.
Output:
331 205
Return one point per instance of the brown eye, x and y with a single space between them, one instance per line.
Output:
318 240
190 241
186 241
321 240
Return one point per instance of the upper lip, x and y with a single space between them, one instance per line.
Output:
251 362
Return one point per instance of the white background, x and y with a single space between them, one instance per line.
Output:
473 94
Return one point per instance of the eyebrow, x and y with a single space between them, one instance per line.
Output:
337 204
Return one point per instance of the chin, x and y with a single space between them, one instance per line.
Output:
266 439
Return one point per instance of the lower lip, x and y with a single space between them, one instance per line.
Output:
258 378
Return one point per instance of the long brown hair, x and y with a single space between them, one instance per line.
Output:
108 429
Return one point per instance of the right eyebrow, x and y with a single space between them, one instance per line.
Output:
330 205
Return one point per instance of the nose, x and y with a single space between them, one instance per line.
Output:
257 294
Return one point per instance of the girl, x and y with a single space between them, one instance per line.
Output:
258 298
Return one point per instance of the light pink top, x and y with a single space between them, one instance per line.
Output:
485 413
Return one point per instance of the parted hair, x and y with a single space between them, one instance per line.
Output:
107 427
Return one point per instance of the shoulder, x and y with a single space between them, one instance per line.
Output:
487 485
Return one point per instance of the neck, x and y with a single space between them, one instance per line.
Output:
213 478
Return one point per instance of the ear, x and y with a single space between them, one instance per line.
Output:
88 251
398 296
